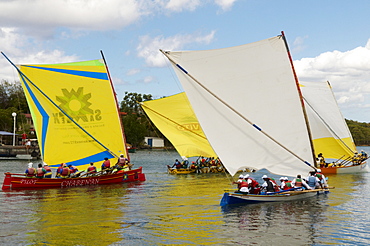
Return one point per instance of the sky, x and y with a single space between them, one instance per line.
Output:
329 40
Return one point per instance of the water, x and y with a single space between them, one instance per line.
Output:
181 210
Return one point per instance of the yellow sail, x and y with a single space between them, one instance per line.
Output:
74 111
175 118
329 130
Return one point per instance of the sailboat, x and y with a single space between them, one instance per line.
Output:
330 133
175 118
248 101
76 118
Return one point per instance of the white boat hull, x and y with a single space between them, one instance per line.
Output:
363 167
238 198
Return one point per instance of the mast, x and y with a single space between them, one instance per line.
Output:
115 98
300 97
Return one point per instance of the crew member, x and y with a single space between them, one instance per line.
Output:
298 182
269 186
40 171
106 164
30 171
91 169
48 173
64 172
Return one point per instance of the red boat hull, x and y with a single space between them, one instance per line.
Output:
14 181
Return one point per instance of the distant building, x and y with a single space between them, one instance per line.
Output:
154 142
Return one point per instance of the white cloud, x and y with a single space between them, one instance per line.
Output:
298 44
181 5
148 47
19 51
79 14
133 72
40 18
349 74
148 79
225 4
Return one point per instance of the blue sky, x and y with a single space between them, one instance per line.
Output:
328 39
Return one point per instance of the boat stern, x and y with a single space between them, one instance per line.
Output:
7 181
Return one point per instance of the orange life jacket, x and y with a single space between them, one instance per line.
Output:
31 172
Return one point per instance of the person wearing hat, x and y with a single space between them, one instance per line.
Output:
282 183
243 186
288 184
269 186
30 171
185 162
48 173
321 160
322 178
253 185
239 181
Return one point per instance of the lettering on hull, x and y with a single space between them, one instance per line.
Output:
28 181
69 183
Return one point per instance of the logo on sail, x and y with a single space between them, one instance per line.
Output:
76 105
190 126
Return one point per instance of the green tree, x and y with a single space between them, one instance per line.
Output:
12 99
12 95
135 123
360 132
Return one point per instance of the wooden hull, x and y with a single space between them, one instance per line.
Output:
180 171
189 170
11 181
348 169
238 198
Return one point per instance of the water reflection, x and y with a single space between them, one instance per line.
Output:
73 216
180 210
289 223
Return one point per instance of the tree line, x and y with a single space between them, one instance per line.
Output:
136 124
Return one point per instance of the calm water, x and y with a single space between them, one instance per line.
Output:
181 210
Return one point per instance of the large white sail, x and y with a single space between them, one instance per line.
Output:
330 132
257 81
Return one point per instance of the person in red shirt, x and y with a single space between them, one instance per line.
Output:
91 169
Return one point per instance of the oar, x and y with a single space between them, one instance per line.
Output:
339 158
346 161
75 174
305 191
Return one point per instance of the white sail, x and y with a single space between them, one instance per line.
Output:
330 132
257 81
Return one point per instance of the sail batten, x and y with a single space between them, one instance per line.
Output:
254 81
